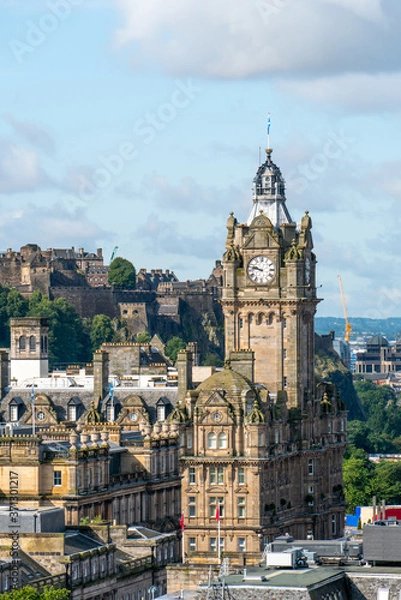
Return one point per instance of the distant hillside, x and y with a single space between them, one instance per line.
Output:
390 328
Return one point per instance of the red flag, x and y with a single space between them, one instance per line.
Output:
182 523
218 512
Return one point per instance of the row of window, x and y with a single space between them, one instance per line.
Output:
216 506
217 441
25 342
241 544
216 475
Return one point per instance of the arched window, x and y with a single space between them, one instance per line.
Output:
32 343
270 318
222 440
260 318
22 342
211 440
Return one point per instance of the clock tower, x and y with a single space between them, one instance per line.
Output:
269 290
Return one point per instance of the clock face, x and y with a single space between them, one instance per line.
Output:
307 270
261 269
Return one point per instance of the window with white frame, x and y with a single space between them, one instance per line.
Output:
192 475
213 501
241 544
13 412
311 466
110 412
241 507
212 544
161 412
56 477
241 476
189 440
72 412
192 506
192 544
212 441
216 475
222 440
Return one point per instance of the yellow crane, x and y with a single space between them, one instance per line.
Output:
348 326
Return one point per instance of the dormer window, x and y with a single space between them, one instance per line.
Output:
14 412
15 409
73 409
161 409
161 412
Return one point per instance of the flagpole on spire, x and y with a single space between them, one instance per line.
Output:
182 527
33 410
268 131
218 531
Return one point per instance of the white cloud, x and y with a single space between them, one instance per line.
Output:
236 39
356 93
166 237
20 169
47 226
36 136
192 197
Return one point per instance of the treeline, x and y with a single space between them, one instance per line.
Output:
71 339
379 433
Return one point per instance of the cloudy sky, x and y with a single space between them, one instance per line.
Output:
137 124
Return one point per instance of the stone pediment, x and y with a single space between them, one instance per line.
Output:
216 489
216 400
260 239
44 412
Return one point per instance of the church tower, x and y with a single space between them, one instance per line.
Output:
269 290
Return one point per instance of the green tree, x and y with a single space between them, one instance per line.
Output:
68 340
212 360
101 330
173 346
358 474
386 482
143 337
30 593
122 274
17 306
12 305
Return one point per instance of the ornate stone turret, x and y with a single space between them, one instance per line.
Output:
269 194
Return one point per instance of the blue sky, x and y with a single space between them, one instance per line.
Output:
138 124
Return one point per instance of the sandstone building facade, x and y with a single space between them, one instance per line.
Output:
259 443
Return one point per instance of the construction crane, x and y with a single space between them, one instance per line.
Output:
113 253
348 326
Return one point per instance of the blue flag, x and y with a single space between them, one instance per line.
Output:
268 123
33 395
